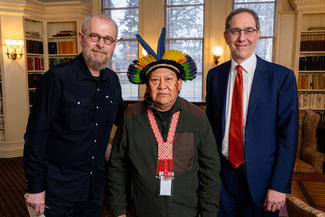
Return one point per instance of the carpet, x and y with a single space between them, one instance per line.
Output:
12 189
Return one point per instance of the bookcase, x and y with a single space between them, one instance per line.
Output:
62 42
310 60
2 125
34 42
47 44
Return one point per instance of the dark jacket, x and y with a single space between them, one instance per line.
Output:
196 165
68 131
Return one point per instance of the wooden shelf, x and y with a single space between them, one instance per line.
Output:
308 32
312 52
315 109
311 90
311 71
62 55
35 54
34 38
63 37
36 71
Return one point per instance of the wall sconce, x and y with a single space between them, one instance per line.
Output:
217 51
14 49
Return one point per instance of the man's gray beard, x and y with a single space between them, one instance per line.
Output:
93 63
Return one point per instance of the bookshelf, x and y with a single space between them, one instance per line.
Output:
2 127
62 42
34 35
310 61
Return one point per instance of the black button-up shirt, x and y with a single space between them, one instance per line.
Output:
68 131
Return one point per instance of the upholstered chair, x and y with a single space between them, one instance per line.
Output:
309 160
298 208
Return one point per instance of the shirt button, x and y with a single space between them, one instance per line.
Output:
91 173
95 140
97 89
111 101
78 102
93 157
106 97
97 107
96 124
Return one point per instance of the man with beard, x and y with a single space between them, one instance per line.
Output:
69 126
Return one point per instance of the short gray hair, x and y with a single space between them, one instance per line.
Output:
241 10
100 16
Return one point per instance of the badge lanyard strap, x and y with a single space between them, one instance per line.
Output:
165 149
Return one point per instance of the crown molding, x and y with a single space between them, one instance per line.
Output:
308 5
15 7
76 10
35 9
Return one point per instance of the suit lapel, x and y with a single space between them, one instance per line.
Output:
223 86
257 87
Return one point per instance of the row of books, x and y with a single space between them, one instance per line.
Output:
312 63
34 46
311 100
56 61
62 47
311 81
33 80
312 42
35 63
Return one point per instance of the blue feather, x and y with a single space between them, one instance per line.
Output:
146 46
161 44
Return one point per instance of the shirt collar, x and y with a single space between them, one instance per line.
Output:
248 65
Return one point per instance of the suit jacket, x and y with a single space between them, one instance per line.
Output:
270 139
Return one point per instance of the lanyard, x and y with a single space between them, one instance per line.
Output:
165 164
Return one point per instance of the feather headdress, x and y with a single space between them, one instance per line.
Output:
181 63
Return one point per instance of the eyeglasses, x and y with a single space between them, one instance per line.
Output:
236 31
108 40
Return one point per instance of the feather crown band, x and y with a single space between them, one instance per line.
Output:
181 63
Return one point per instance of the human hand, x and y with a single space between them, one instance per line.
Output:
36 201
274 200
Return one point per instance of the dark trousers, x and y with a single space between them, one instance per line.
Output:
235 199
60 208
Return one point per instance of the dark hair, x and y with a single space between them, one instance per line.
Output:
241 10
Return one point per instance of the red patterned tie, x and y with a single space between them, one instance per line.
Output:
236 146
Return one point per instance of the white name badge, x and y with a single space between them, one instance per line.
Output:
165 186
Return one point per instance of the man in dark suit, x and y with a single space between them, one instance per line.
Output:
253 109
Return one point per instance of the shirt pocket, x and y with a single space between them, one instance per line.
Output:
183 152
77 110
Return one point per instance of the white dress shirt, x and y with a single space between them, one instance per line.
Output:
248 69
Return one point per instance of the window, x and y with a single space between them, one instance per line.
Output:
125 14
266 10
184 32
